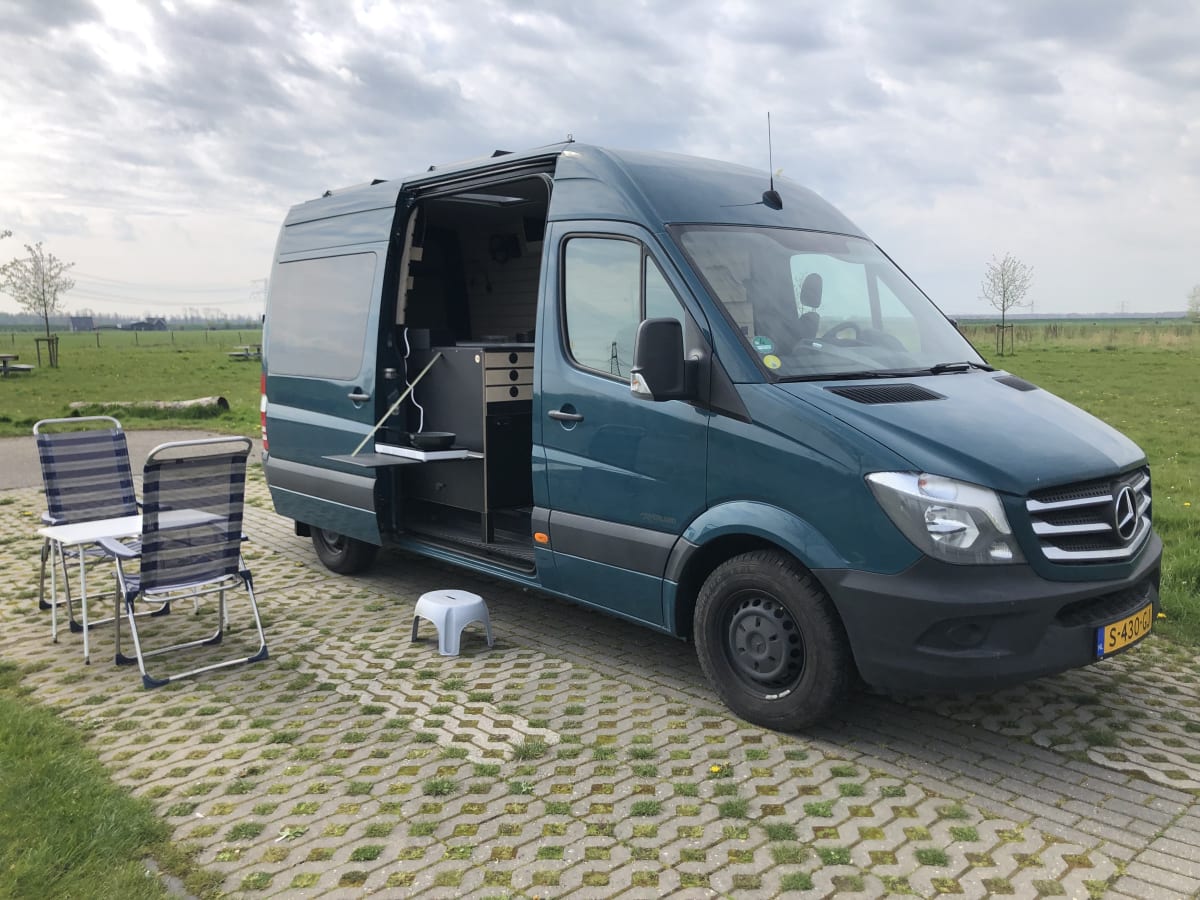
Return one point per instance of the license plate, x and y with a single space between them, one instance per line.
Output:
1117 636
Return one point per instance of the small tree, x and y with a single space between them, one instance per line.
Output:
1005 284
37 282
1194 304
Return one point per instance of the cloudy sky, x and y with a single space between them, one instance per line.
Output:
158 145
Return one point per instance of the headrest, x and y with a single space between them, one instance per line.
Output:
810 290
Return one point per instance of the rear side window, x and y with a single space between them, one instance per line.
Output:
318 315
610 286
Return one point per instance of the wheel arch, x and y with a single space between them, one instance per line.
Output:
728 530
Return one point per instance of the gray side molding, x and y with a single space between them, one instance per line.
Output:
354 490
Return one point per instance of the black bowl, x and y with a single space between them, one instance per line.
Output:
432 440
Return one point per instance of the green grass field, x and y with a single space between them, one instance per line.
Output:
65 829
126 365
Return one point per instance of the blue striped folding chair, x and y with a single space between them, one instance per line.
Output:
87 477
192 499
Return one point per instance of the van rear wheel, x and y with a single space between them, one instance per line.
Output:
770 642
341 554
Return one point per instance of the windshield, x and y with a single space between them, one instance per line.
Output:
810 304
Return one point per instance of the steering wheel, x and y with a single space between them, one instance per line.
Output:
831 334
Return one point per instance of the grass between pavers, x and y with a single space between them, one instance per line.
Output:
65 829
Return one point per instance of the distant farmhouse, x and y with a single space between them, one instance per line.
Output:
151 324
82 323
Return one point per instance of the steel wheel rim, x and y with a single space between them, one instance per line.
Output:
763 643
332 540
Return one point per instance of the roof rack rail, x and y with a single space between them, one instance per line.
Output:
374 181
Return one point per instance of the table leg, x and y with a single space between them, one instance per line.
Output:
83 603
56 555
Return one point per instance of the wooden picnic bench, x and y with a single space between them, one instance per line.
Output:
246 351
8 364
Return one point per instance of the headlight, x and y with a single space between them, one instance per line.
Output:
947 519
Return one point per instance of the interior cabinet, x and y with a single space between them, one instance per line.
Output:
483 393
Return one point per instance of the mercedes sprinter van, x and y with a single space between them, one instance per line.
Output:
665 388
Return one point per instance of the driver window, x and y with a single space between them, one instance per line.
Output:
661 302
604 300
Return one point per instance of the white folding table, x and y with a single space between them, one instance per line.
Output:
84 534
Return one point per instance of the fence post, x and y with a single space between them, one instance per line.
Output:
1003 331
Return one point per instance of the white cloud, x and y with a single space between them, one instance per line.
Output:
165 141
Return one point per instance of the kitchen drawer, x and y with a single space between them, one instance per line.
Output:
507 376
507 359
498 393
457 483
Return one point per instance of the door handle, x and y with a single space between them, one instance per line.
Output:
358 396
562 416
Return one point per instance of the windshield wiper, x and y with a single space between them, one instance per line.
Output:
854 376
939 369
965 365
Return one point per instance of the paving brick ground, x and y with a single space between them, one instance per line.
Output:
584 757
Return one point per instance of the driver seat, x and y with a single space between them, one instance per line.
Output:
810 296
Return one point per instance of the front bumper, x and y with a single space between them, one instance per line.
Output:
941 628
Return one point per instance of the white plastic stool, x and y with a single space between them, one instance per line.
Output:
451 612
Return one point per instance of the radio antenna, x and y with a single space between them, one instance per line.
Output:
770 152
770 197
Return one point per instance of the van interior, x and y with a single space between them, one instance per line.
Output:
467 290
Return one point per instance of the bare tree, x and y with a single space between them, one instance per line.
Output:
1005 284
37 282
1194 304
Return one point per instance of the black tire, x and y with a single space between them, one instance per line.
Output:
341 554
770 642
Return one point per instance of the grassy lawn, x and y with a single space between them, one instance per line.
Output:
65 829
148 365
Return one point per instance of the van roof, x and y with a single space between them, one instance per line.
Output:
602 183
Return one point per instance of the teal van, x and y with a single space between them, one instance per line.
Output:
670 389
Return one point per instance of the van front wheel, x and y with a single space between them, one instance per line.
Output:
341 554
770 642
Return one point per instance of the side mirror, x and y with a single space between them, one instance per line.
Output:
659 370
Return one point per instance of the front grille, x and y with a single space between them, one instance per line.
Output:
1092 521
1107 608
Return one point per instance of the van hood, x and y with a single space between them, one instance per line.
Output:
1013 437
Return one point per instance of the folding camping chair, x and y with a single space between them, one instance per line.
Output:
87 477
192 497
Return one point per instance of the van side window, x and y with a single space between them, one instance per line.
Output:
321 330
604 300
661 300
